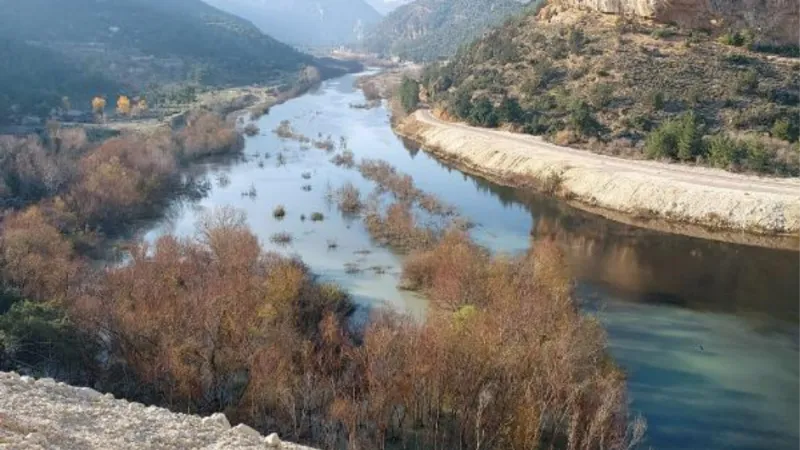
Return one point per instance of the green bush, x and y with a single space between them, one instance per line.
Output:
510 111
409 94
737 38
676 138
724 152
747 82
690 142
40 338
784 129
601 95
461 104
581 119
483 114
656 101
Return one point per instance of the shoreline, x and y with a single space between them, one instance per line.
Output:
697 202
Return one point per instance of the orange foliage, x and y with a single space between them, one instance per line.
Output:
208 134
123 105
36 257
98 105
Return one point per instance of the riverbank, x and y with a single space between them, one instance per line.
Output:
693 201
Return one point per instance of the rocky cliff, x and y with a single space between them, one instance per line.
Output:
773 21
44 414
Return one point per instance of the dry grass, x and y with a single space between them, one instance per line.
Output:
348 198
281 238
401 186
398 228
208 134
345 159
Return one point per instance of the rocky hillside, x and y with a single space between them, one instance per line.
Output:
773 21
306 23
44 414
426 30
629 86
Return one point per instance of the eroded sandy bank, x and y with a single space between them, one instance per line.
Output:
701 202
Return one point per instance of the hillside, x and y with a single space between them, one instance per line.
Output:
39 78
306 23
128 45
773 22
45 414
426 30
631 87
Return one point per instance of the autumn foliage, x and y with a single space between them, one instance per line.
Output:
212 323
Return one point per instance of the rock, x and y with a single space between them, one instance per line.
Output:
45 415
245 431
273 441
49 382
217 419
87 394
774 21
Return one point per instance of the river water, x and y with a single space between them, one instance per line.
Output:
706 331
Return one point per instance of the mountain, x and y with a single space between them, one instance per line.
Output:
142 41
426 30
306 23
39 78
81 48
634 86
387 6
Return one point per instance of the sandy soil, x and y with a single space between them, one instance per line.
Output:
679 198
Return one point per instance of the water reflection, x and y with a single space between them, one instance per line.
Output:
706 330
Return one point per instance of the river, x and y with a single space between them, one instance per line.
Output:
707 331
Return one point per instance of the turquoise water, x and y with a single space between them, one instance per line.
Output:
707 331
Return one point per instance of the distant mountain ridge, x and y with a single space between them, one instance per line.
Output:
426 30
82 48
306 23
387 6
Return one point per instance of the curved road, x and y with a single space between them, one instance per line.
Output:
702 176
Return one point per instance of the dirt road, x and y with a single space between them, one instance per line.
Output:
534 146
697 201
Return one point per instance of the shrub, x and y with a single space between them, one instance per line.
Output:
724 152
679 138
279 212
409 94
582 121
461 104
346 159
251 129
601 95
747 82
510 111
689 140
317 217
281 238
656 101
785 130
207 134
41 340
348 198
483 114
